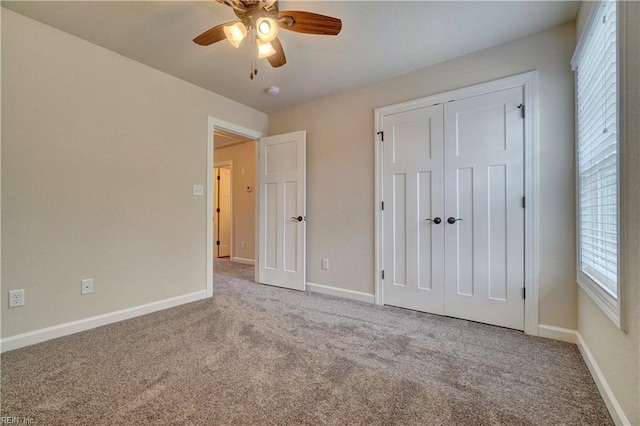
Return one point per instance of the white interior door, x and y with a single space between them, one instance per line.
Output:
224 212
484 189
453 220
413 238
282 210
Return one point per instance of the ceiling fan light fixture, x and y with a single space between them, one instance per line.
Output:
265 49
267 29
235 33
259 21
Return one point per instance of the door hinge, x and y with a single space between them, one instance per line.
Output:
521 107
382 205
381 135
524 202
383 275
217 243
218 177
524 292
217 210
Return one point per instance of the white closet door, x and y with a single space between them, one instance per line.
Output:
484 186
413 241
282 217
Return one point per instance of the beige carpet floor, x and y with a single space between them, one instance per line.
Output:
261 355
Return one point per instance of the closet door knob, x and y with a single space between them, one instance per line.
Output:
299 218
452 220
435 220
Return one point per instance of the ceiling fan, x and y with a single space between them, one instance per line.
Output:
260 19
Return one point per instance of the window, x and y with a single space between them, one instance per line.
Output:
597 113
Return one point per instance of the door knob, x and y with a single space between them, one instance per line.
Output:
435 220
452 220
299 218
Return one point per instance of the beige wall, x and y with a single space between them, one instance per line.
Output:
99 157
244 203
618 353
340 163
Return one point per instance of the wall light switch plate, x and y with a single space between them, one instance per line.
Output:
198 190
87 286
325 263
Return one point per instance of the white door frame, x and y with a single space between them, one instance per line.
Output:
228 163
212 124
529 83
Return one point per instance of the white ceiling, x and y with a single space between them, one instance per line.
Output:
379 40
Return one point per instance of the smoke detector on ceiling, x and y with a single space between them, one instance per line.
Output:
273 91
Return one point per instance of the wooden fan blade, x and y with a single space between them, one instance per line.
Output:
277 59
212 35
310 23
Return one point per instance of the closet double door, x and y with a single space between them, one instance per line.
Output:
453 218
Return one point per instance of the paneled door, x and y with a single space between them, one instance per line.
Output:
484 189
223 211
453 220
282 211
413 189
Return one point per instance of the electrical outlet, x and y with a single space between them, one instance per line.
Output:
87 286
198 190
243 245
16 298
325 263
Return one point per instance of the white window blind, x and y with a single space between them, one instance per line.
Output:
597 131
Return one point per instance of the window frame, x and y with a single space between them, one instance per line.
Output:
613 307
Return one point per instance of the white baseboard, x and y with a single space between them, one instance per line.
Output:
558 333
243 260
44 334
618 416
341 292
573 336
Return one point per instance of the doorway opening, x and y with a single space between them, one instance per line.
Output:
234 200
232 156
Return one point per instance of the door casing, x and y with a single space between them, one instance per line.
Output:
212 124
529 83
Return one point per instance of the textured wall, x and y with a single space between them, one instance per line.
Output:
244 203
340 163
618 353
99 155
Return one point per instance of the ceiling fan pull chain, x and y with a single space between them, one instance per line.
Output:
252 48
255 52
